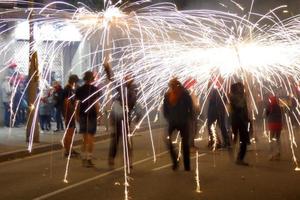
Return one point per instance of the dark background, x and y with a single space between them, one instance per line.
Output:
259 6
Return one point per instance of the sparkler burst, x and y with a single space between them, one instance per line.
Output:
156 42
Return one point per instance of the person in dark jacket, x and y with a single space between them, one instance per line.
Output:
88 97
274 118
121 116
217 113
240 121
178 111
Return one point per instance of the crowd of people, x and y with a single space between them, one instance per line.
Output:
230 112
76 104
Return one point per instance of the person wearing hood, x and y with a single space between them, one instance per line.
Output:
178 111
274 118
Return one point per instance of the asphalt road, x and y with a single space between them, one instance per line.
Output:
41 176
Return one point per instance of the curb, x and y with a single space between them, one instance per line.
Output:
12 155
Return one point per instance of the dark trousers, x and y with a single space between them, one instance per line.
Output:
193 130
7 114
222 125
241 129
58 117
116 135
45 123
184 133
22 114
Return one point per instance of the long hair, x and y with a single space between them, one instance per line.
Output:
175 91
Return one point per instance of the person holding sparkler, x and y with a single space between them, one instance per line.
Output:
121 116
178 110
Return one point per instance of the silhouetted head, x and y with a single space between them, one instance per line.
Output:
237 88
174 83
73 79
88 77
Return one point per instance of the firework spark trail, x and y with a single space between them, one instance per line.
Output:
214 136
126 160
292 140
70 121
198 190
150 129
201 131
68 159
179 150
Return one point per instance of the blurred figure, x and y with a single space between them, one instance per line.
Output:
12 69
178 111
217 113
189 85
6 99
121 116
23 105
274 118
45 110
58 98
16 108
88 109
240 121
69 109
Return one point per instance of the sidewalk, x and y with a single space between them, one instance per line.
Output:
13 141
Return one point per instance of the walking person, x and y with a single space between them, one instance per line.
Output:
274 118
240 121
190 86
88 110
178 111
69 114
121 117
217 113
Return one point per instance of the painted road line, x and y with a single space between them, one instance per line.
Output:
169 165
45 196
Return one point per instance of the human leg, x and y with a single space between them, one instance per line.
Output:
224 132
6 114
173 153
68 140
59 122
184 131
211 138
117 131
243 133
